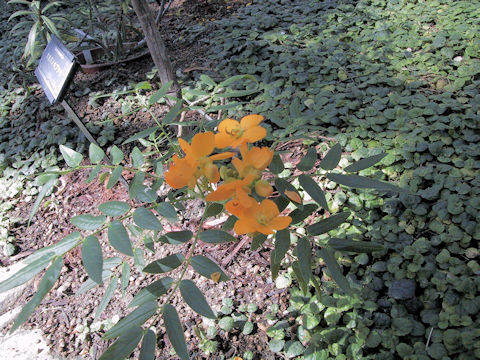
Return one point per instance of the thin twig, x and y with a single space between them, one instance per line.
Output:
428 340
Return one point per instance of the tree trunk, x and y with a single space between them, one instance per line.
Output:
155 44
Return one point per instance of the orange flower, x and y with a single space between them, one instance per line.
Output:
254 161
196 163
238 189
263 188
262 217
233 133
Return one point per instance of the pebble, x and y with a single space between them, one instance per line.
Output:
403 289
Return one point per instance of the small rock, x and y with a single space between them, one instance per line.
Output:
403 289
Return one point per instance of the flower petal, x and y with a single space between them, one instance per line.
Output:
268 207
251 121
227 125
254 134
203 144
244 226
223 140
280 222
222 156
185 146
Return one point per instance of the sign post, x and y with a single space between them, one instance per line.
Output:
55 72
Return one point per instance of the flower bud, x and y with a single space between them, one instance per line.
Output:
263 188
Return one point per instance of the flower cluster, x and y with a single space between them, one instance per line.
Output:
241 178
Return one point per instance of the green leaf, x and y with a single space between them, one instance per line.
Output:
166 264
257 241
139 191
149 244
237 93
88 222
298 215
308 161
114 177
195 299
235 78
137 158
114 208
206 267
48 280
207 80
335 270
214 236
71 157
282 244
90 284
138 259
116 154
149 344
304 255
152 292
312 189
173 113
125 277
353 245
175 331
160 93
361 182
92 258
213 209
283 185
27 272
299 275
276 166
45 189
136 318
146 220
330 223
142 134
93 174
176 237
125 344
332 158
168 211
119 239
106 297
365 163
63 246
95 153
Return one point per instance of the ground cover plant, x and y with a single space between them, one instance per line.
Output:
391 82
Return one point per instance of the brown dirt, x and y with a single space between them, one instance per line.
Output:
61 311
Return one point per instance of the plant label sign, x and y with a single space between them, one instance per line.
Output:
55 70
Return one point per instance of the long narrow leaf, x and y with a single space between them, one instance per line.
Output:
106 297
195 299
136 318
48 280
149 342
330 223
361 182
335 270
124 346
175 331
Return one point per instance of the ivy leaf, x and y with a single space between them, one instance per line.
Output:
71 157
195 299
146 219
332 158
92 258
175 331
88 222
